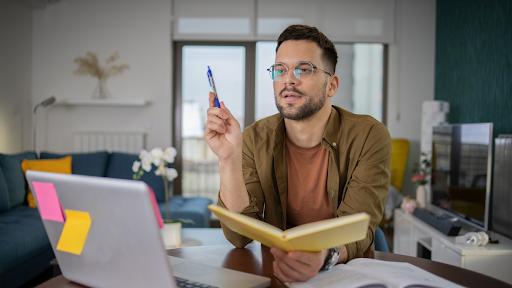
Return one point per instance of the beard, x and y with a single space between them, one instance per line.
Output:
312 105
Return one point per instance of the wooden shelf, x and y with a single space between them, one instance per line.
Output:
103 102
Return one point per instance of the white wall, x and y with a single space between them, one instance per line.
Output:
15 77
140 31
411 75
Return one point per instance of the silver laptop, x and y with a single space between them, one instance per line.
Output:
123 246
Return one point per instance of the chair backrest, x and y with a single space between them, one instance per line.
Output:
399 154
380 241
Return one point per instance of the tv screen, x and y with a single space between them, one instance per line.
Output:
461 171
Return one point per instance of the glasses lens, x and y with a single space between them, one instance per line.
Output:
278 71
303 71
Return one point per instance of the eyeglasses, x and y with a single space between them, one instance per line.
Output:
303 71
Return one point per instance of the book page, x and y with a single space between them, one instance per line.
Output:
252 228
318 226
340 276
399 274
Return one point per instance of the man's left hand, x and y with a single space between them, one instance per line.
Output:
297 265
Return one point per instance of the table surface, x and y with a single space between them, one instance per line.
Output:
257 259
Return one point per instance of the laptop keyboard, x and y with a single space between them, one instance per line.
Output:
187 283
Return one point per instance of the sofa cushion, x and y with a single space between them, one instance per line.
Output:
4 194
14 177
92 164
22 237
61 165
194 208
120 166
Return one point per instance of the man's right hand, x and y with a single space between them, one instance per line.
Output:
223 133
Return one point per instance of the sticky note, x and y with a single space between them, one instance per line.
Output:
74 234
155 207
49 204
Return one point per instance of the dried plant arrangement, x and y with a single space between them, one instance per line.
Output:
89 65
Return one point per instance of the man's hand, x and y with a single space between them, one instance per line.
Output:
297 265
222 132
224 137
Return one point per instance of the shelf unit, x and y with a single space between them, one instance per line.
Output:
413 237
104 102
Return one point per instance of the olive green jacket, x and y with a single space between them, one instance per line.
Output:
358 174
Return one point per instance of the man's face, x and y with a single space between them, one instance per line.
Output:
300 99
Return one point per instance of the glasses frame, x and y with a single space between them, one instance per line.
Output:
288 68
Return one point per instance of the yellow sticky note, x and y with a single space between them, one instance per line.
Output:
74 234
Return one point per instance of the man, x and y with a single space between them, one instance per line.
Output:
310 162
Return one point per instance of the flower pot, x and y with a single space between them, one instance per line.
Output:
171 235
421 196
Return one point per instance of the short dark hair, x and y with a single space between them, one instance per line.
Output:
305 32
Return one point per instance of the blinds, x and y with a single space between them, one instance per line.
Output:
371 21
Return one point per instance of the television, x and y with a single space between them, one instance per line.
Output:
462 156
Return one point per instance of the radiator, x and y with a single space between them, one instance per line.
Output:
129 142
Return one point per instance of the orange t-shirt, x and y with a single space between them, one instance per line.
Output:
308 200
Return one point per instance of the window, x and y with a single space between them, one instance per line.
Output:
243 83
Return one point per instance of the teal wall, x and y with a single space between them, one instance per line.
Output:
474 61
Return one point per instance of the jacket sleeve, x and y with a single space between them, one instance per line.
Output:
368 185
254 190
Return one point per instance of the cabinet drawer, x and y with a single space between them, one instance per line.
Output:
441 253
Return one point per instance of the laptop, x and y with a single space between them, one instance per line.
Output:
104 233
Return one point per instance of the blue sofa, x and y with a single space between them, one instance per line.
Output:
24 247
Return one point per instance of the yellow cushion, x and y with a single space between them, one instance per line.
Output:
62 165
399 153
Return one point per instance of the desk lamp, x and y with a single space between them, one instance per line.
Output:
46 102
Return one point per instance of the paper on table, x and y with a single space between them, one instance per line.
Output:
74 234
49 204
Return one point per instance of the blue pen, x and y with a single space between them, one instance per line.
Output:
212 84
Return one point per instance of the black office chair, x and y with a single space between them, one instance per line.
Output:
380 241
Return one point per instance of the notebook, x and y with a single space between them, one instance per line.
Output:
104 233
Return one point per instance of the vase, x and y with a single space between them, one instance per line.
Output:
101 91
171 235
421 196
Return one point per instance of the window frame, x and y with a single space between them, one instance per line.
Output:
250 91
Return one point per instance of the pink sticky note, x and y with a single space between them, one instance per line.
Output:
49 204
155 207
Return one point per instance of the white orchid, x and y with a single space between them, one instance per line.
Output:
160 159
171 174
169 154
146 162
143 154
157 154
136 166
160 170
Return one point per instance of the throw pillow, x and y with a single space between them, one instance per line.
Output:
62 165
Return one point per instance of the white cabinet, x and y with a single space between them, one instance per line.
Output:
442 253
413 237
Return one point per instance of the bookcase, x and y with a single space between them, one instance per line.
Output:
413 237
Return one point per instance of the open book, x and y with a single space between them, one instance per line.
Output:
371 273
315 236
